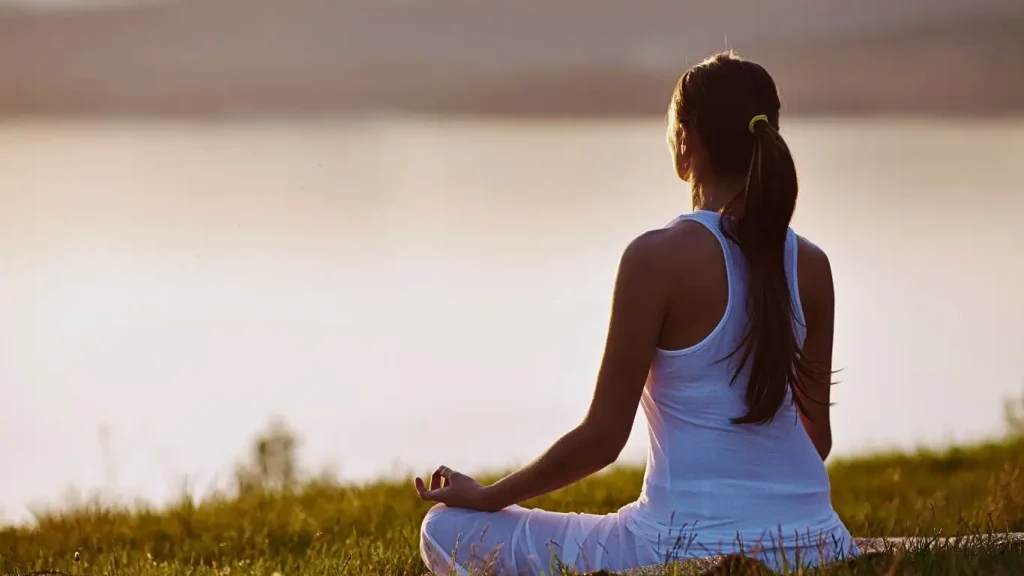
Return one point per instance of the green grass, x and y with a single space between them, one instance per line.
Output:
325 528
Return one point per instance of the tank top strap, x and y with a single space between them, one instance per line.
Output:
706 217
792 249
730 251
711 221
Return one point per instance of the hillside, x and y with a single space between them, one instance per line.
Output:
326 528
578 57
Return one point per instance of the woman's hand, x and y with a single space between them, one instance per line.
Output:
456 490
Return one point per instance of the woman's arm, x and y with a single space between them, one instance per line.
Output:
638 308
817 294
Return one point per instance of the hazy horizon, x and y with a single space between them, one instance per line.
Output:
591 58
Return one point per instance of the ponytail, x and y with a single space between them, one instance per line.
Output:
759 224
711 100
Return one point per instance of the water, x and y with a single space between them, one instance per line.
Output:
408 292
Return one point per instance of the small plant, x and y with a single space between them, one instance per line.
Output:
1013 415
272 461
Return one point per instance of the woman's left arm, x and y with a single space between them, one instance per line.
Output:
638 308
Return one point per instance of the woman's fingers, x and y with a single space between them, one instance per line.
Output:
441 477
430 494
425 493
440 480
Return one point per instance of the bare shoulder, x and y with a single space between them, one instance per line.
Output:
813 260
652 264
668 248
814 274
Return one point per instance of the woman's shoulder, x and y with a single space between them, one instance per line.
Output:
814 277
674 247
812 259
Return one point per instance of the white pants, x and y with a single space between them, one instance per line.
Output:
532 542
527 542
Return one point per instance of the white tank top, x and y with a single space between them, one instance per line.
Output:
709 483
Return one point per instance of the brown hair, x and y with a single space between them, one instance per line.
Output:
733 106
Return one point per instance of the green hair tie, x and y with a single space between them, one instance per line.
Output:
755 120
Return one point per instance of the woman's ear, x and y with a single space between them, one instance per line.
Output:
691 154
684 156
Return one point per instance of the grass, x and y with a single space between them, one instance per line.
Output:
323 528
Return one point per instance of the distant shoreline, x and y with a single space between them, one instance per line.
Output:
303 115
218 60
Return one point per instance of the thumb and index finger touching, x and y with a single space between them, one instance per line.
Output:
440 481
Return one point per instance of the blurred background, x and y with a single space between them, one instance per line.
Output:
394 224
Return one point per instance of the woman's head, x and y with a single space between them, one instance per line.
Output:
710 117
724 134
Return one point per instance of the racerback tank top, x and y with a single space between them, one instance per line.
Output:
712 486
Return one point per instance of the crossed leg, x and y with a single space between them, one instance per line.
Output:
524 542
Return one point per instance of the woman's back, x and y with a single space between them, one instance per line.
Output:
721 482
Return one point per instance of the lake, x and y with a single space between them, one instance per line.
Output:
410 291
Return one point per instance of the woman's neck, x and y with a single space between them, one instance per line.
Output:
715 194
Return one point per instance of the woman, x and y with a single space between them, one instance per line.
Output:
724 341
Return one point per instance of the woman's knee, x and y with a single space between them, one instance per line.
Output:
434 555
433 517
